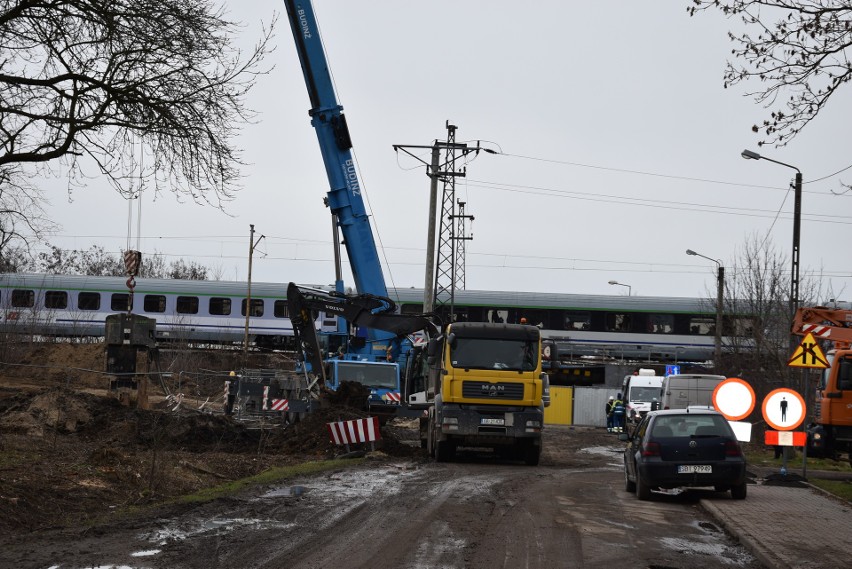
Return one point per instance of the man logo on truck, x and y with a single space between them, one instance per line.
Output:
492 390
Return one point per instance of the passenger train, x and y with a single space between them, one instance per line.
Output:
622 327
194 311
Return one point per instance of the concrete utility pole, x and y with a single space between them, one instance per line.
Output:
443 283
252 245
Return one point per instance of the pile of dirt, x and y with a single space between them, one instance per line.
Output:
67 455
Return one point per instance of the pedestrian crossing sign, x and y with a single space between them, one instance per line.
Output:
809 354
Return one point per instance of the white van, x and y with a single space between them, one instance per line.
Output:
689 389
641 391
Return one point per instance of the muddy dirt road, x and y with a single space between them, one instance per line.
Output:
571 511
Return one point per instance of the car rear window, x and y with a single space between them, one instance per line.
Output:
691 425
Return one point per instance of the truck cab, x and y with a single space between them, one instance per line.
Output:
489 390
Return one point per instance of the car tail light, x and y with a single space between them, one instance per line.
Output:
651 449
732 448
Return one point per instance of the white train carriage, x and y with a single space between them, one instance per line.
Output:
195 311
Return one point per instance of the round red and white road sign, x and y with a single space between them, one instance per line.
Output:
784 409
734 398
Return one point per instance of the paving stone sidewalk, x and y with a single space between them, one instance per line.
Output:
789 526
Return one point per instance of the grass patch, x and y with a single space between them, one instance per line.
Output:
761 456
271 476
840 488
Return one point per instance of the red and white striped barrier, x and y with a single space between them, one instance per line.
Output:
817 330
354 431
280 405
392 396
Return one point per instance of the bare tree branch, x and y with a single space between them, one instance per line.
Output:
796 50
147 91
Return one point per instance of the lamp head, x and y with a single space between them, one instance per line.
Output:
690 252
749 155
613 282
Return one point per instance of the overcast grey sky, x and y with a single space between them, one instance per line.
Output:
621 149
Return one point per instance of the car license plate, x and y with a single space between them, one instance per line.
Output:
695 469
487 421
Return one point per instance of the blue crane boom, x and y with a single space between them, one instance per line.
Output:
344 195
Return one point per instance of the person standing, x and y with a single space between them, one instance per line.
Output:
610 418
618 412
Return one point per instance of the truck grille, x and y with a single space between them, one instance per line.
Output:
488 390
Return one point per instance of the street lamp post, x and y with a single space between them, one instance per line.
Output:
797 226
720 296
794 277
629 288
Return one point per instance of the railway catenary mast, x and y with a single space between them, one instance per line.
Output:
344 195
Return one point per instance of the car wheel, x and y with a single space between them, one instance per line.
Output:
739 491
629 485
643 491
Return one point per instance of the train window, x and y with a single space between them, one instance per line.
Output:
120 301
187 305
154 303
497 315
702 325
743 327
23 298
56 299
617 322
88 301
220 306
577 321
460 314
281 309
661 323
256 307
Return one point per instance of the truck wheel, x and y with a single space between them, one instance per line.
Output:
424 432
444 450
643 491
739 491
532 455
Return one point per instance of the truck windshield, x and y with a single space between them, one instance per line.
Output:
368 374
646 394
495 353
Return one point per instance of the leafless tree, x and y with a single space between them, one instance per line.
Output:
22 217
796 50
96 261
757 289
134 91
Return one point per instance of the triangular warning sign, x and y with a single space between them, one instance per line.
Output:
808 354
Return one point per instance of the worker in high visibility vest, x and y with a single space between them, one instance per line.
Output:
618 412
610 419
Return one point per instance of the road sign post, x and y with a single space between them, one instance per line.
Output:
784 410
